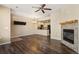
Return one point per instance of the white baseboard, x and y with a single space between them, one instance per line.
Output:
20 36
27 35
5 43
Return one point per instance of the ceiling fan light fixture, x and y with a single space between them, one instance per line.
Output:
17 7
42 8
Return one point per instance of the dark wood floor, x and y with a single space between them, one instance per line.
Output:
35 44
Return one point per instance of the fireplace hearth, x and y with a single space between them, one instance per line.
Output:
68 35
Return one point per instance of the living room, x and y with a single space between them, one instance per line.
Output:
21 22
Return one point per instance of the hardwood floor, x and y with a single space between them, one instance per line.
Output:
35 44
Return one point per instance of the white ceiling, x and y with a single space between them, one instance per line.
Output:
28 11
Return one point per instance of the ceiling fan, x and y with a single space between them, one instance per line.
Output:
42 8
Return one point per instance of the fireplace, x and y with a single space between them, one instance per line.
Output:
68 35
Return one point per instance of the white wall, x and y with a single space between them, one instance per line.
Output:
4 25
23 30
68 12
28 29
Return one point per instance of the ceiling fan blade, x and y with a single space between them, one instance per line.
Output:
36 7
43 11
47 9
43 5
37 10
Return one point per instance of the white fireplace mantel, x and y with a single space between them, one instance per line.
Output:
71 24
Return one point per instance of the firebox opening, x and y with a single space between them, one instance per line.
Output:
68 35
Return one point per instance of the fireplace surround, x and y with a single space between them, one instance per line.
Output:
69 34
